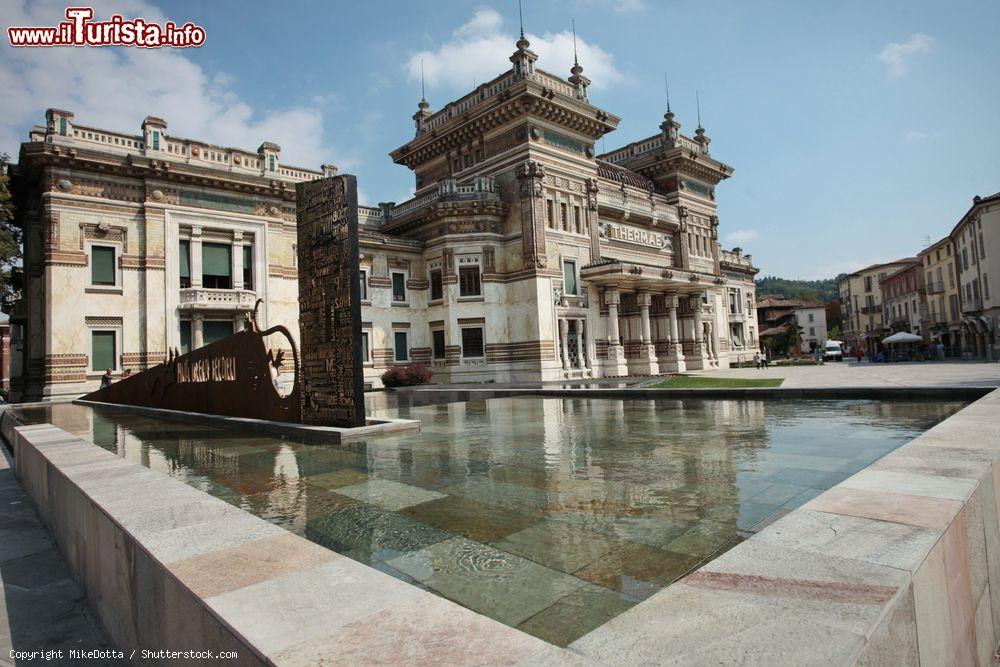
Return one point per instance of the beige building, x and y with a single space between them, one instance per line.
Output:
137 244
942 313
976 239
523 256
861 304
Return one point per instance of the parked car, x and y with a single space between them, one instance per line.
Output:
833 350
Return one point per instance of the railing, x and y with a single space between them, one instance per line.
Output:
223 299
935 287
736 259
190 152
472 99
871 310
415 203
370 216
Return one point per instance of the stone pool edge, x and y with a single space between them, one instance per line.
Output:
166 566
898 564
375 426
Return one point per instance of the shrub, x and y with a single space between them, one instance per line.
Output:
406 376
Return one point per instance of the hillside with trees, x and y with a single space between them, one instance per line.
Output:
822 291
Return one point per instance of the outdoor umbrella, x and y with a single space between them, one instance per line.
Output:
902 337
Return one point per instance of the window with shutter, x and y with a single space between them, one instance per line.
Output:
102 265
184 263
402 348
468 281
103 350
248 267
472 343
217 265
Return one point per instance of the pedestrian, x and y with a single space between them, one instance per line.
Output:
106 379
757 360
940 351
857 354
763 358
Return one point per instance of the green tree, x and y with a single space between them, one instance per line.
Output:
10 242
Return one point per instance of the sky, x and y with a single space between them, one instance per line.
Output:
858 131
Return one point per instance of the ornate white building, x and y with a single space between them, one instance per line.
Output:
523 256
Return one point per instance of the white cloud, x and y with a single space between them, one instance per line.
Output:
480 49
896 55
738 236
115 88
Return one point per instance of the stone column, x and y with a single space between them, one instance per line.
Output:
237 260
580 354
197 333
616 353
697 360
582 346
646 364
674 361
563 347
195 259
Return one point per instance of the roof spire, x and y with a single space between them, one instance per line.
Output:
520 17
666 87
423 92
699 134
524 58
697 102
575 60
576 72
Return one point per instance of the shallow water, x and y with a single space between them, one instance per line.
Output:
551 515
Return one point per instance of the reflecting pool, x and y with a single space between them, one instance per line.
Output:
550 515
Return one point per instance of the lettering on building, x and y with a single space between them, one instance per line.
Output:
612 231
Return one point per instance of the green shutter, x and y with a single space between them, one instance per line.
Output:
185 259
402 353
102 354
156 140
185 336
569 278
62 126
216 259
247 257
102 265
213 331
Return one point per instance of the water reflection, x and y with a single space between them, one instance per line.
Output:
551 515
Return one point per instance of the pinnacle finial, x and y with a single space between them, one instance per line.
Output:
666 86
423 91
575 60
697 102
520 17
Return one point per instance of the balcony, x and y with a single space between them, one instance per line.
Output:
935 287
202 298
871 310
737 317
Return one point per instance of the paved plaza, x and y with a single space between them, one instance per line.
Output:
853 374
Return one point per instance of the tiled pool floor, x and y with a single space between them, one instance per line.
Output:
550 515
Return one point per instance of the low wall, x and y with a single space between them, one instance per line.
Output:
167 567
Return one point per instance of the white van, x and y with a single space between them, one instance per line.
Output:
833 350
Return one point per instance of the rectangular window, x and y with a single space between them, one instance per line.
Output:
563 217
62 126
156 140
437 337
365 348
270 162
986 286
402 348
812 331
868 283
102 265
184 263
468 281
398 287
437 286
577 221
549 215
248 267
103 350
812 317
951 275
569 277
217 265
472 343
363 284
982 246
185 336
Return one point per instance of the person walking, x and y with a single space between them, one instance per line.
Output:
756 360
763 358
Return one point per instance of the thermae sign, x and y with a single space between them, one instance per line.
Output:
612 231
213 369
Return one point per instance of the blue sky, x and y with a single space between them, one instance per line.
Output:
857 129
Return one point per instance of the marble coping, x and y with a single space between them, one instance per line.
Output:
898 564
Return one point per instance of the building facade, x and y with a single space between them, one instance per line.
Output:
861 305
775 313
976 239
903 300
139 244
523 255
942 316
